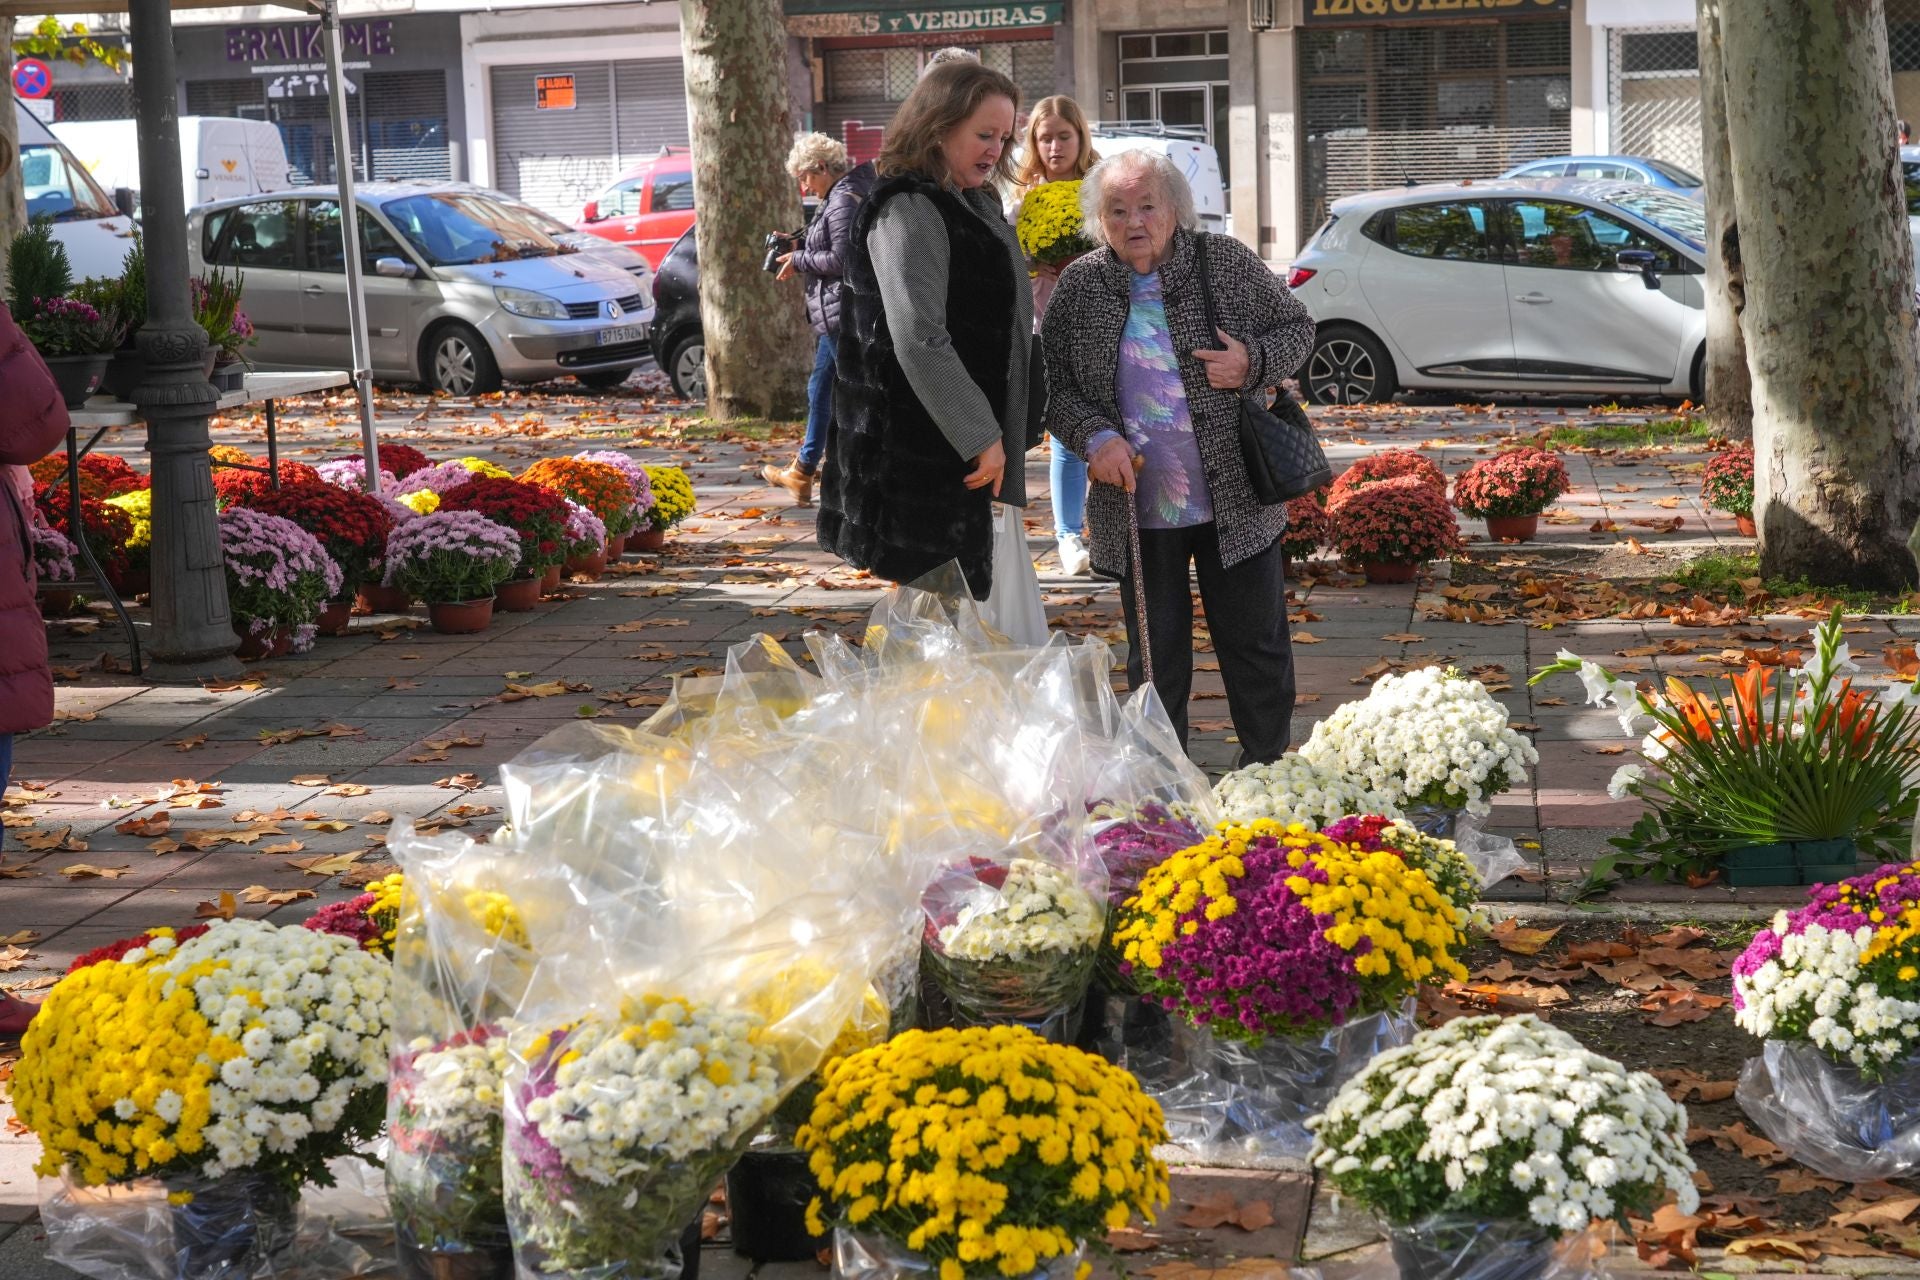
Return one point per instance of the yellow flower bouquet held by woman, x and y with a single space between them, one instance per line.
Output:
986 1152
231 1067
1050 226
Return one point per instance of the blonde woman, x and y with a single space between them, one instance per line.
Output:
1058 148
821 166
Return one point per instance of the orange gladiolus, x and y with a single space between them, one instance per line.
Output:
1749 687
1688 703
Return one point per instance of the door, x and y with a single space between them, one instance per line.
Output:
392 304
1432 279
1576 315
260 242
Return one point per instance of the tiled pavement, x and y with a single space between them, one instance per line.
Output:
409 723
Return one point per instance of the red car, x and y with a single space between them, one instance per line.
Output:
647 208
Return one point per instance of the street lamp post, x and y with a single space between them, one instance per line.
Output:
193 632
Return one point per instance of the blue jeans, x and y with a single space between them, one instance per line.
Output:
819 405
1068 476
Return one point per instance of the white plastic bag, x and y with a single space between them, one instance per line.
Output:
1013 606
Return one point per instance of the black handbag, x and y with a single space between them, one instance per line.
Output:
1284 459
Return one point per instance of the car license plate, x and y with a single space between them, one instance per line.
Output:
609 337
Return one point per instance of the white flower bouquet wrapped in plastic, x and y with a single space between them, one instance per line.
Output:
1296 789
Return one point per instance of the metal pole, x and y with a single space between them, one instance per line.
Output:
350 242
192 627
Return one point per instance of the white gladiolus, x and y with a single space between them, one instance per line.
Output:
1487 1082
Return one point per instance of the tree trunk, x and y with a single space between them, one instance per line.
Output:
1829 314
759 348
1728 384
13 192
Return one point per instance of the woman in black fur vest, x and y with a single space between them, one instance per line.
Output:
930 393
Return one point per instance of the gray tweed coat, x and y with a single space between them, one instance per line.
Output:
1081 336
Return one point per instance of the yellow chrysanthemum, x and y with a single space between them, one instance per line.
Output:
423 501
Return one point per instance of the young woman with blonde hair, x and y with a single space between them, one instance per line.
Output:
1058 148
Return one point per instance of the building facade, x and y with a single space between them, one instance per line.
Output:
1304 100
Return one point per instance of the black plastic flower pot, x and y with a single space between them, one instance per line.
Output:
767 1197
1762 864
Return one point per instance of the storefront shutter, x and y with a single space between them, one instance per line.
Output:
650 99
556 160
407 125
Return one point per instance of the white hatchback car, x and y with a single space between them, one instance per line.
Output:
1562 286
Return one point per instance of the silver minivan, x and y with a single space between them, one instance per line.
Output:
463 291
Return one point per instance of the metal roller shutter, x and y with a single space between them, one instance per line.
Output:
1432 103
650 106
555 160
407 125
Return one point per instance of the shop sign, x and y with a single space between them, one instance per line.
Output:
828 18
553 93
302 42
1348 12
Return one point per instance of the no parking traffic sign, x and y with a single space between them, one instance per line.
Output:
32 78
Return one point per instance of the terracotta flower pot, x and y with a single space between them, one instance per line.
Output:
616 546
1513 528
550 580
56 602
587 566
519 595
253 645
1390 571
282 642
334 618
646 539
373 597
131 583
1746 526
461 618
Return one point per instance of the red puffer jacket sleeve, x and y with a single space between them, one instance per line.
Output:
33 417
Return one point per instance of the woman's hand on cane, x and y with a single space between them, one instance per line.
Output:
1114 464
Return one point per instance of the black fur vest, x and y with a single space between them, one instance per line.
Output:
892 499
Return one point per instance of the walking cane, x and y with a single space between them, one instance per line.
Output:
1137 572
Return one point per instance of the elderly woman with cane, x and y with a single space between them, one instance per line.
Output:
1143 387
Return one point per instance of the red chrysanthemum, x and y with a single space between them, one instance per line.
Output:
1307 527
398 459
1398 521
350 523
102 475
238 488
106 528
1388 464
1518 482
538 515
116 950
1727 483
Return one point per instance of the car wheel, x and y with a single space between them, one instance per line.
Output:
687 367
1348 366
605 379
460 363
1697 380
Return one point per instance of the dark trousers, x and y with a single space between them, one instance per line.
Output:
1247 617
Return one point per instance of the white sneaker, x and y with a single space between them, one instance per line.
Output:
1075 561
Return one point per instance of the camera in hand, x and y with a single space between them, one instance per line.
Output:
778 242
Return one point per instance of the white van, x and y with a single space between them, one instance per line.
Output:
220 156
97 235
1190 153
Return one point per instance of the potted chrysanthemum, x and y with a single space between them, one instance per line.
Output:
455 561
1295 957
1510 490
1392 527
1727 485
53 554
1376 468
1014 941
1072 1139
351 524
160 1061
1434 742
278 576
618 530
587 544
537 515
1308 528
673 501
1482 1142
1296 789
601 487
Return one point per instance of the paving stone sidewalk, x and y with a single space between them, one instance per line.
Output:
146 805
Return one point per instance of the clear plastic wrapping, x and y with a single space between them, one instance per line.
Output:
859 1256
239 1227
1457 1247
1494 858
1015 941
1232 1103
1830 1119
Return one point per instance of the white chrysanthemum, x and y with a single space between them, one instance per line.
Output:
1814 991
1490 1082
1429 736
1294 789
1039 907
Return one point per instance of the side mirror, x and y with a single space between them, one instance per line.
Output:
395 268
125 201
591 211
1640 260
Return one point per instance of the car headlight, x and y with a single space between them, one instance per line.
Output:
525 302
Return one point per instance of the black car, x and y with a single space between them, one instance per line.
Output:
679 344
